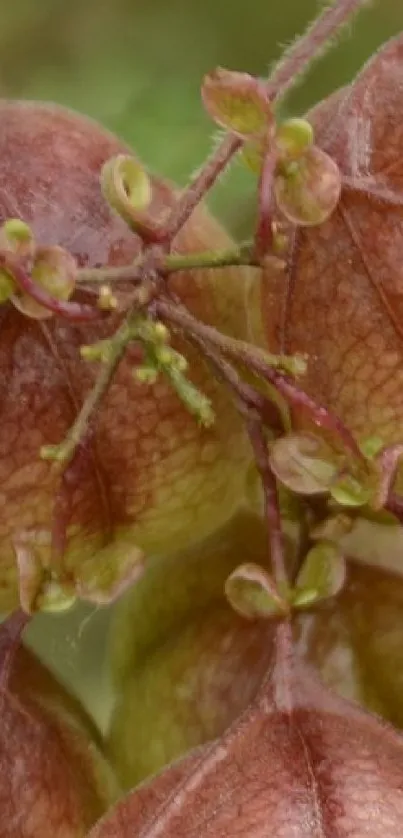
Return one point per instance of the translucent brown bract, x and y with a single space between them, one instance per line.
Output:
299 762
341 300
54 779
149 474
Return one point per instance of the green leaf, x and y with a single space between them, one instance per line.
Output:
303 463
322 574
251 592
237 102
307 190
348 491
293 137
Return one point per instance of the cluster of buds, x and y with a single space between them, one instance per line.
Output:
306 182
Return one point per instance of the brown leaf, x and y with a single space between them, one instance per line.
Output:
150 475
300 762
342 301
54 779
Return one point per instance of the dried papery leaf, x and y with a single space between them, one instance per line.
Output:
303 463
307 190
300 761
54 779
322 574
54 270
342 303
237 102
251 592
151 475
184 663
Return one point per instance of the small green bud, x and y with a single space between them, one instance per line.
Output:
16 230
145 374
106 300
179 362
161 332
56 453
96 351
294 136
165 356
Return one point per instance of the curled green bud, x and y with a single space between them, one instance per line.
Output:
294 136
303 463
15 237
127 188
54 270
307 189
252 594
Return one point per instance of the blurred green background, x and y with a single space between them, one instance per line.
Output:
137 66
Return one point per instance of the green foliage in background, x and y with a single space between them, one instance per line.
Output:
136 66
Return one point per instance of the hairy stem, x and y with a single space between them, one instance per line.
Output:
201 183
272 508
264 230
264 365
318 38
123 273
241 351
295 62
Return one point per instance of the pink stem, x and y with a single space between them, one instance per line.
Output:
264 230
201 184
310 46
272 508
